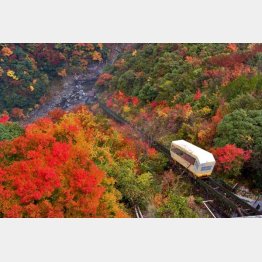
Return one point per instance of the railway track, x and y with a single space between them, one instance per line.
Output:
237 206
225 201
138 212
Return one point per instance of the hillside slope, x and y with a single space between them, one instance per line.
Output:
208 94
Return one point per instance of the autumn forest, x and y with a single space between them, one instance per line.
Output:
62 156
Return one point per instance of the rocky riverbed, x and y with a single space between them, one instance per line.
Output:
71 91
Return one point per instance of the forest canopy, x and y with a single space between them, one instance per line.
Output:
207 94
27 69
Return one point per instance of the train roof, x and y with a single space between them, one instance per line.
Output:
202 155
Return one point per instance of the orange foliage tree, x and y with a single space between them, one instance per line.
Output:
96 56
51 171
6 51
207 130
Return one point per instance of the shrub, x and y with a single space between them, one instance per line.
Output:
230 159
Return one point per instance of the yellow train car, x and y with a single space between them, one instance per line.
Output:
195 159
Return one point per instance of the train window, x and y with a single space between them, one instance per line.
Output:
206 168
189 158
177 151
184 155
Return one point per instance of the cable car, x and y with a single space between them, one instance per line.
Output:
197 160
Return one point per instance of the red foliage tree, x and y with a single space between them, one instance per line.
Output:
197 95
230 159
154 104
103 78
48 172
232 47
17 113
47 53
256 48
225 75
119 99
56 114
4 118
229 60
135 101
183 110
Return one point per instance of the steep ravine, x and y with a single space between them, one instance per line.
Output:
73 89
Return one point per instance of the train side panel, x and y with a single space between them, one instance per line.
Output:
197 170
183 162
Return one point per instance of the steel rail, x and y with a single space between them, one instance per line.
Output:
205 204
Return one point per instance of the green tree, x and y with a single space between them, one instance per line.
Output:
10 131
176 206
246 102
147 92
126 81
135 189
244 129
242 85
